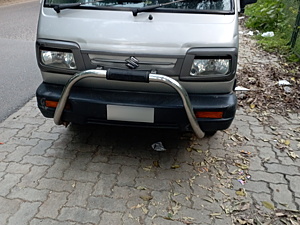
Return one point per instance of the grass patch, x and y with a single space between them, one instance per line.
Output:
278 16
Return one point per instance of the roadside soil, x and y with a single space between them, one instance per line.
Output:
274 84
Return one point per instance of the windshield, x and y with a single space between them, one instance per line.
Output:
186 5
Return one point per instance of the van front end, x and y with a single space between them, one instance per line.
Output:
136 63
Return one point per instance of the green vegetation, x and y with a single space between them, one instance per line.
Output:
278 16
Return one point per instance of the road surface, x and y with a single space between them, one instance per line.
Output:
19 74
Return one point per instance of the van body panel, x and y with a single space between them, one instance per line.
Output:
120 31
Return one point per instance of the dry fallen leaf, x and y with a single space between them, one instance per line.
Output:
156 163
146 197
189 149
242 166
287 142
175 166
215 214
292 155
233 138
141 188
145 210
268 205
293 222
224 193
249 100
208 199
273 128
235 171
187 220
147 168
242 222
203 169
221 173
227 210
137 206
244 206
176 208
241 192
245 153
284 204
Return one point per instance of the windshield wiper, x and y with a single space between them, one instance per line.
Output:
60 7
135 11
150 8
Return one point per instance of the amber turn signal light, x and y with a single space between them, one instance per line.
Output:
213 115
53 104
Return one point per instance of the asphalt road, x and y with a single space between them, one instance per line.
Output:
19 73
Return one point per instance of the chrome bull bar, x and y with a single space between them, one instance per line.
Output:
135 76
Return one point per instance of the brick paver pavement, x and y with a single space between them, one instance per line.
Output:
107 175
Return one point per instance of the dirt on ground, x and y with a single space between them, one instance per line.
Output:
274 84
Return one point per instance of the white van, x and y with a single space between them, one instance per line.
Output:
162 63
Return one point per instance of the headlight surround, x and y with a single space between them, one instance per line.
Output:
58 59
214 66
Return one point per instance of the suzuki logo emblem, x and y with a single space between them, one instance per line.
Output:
132 62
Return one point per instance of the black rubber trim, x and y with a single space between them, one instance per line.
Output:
128 75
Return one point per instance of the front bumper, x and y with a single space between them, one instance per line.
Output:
170 111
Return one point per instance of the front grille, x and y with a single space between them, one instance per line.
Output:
142 63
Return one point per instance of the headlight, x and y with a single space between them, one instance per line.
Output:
210 66
58 59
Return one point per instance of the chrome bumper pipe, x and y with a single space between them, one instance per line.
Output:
66 91
152 78
185 99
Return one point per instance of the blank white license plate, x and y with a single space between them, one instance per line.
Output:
130 113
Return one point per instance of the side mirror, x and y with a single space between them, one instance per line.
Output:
243 3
